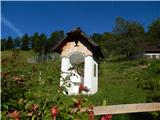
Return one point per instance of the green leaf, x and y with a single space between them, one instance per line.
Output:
155 114
33 117
29 104
104 103
5 107
74 100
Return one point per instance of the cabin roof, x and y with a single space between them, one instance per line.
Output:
151 48
78 35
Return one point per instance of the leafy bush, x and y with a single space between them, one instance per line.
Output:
27 94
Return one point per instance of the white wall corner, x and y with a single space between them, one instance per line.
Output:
88 73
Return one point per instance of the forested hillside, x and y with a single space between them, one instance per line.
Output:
127 38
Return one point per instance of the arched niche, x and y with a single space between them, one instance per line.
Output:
79 57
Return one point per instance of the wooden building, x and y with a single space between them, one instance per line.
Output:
151 51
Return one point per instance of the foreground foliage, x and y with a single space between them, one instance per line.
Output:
31 91
26 96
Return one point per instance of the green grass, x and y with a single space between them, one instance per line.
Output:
23 55
118 84
118 80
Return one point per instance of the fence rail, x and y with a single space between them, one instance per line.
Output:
42 58
125 108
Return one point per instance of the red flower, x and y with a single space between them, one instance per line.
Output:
81 87
91 115
78 102
54 111
15 115
106 117
34 107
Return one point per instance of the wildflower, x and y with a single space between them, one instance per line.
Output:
34 107
106 117
54 111
15 115
77 103
81 87
91 115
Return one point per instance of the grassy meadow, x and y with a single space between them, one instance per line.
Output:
119 79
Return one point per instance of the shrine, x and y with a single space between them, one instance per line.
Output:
79 60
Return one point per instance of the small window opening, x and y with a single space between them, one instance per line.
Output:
154 56
95 70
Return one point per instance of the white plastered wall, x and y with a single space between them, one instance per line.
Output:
150 55
90 81
88 73
65 65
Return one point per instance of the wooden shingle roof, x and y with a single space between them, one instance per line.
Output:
151 48
78 35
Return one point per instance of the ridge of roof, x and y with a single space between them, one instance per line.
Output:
149 47
79 31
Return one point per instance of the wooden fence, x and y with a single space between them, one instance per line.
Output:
125 108
42 58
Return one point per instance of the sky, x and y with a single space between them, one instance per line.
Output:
18 18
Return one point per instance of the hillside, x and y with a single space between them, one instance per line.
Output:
118 79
